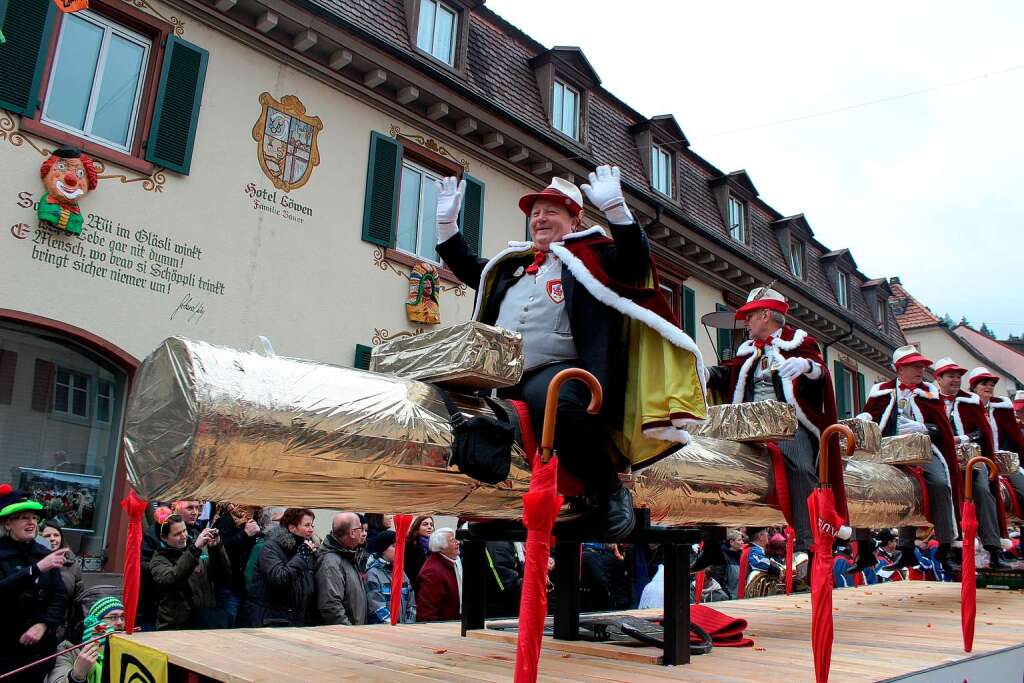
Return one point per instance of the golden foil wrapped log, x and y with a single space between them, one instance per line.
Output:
212 423
471 355
868 435
906 449
749 422
966 451
1008 462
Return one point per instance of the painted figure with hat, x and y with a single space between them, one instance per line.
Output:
31 588
907 405
1006 433
780 362
68 175
587 298
970 425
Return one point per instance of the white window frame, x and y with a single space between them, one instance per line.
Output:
426 175
558 112
851 390
109 398
433 51
843 288
881 311
661 169
797 258
71 388
737 230
109 28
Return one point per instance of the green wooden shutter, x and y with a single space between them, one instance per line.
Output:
689 312
362 359
471 221
178 100
861 394
724 337
840 381
380 205
28 27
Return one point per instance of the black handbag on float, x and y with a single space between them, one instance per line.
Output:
481 446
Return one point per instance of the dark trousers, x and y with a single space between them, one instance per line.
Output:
800 456
581 439
985 504
940 498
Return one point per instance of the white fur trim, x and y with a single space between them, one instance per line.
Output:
972 399
877 390
790 393
1001 403
741 379
958 423
513 248
592 230
747 347
667 434
629 308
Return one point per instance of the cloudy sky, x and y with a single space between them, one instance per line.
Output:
925 186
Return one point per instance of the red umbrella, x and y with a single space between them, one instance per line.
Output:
402 524
698 581
540 507
825 526
790 540
969 522
134 506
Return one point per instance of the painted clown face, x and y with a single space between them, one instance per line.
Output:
67 180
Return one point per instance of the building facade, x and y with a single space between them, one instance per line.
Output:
266 168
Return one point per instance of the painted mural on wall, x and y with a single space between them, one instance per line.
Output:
68 175
286 138
421 305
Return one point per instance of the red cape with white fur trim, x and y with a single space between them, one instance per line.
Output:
815 409
1005 430
968 416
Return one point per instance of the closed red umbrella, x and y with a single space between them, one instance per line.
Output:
540 508
969 522
790 540
134 506
826 524
698 581
402 524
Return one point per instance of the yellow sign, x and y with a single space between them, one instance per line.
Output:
287 141
131 662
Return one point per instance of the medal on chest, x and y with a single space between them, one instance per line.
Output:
903 404
764 363
555 291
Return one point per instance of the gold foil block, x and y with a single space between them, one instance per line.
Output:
867 433
907 449
966 451
471 355
758 421
1008 462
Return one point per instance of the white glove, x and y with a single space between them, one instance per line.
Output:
794 367
906 426
605 192
963 439
449 203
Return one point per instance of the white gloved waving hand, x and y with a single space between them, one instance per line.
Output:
794 367
449 203
605 192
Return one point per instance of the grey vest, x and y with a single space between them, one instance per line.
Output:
535 307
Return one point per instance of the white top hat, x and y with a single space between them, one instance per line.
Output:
979 374
908 355
947 364
560 190
760 298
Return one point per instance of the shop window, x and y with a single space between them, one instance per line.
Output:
400 202
105 80
71 393
565 109
437 30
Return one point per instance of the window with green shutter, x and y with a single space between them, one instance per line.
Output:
843 380
689 312
861 392
178 99
28 26
362 357
471 220
380 205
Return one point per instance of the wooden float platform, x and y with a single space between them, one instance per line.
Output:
881 632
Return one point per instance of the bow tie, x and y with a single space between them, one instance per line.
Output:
759 344
907 387
539 257
950 398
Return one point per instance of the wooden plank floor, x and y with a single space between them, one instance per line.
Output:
881 631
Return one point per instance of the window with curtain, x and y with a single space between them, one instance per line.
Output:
737 220
796 258
661 170
435 34
417 206
842 289
565 109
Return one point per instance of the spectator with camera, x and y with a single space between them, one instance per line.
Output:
184 573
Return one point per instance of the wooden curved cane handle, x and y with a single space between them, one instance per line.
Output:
993 472
547 438
826 437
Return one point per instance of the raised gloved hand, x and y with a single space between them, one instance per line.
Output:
906 426
605 192
449 203
794 367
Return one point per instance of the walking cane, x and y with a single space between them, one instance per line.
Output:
547 438
969 520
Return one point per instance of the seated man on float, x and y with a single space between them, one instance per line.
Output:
583 300
1006 432
780 362
907 405
970 425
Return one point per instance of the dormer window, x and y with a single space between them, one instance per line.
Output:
796 258
843 288
661 170
565 109
881 312
737 220
437 29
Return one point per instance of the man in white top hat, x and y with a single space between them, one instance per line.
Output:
582 299
1006 432
908 404
967 417
782 363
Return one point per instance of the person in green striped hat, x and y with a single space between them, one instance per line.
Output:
31 588
86 664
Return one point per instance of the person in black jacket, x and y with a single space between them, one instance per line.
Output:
31 589
184 573
239 532
505 574
283 588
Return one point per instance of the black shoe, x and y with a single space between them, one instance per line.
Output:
711 554
907 558
865 558
995 556
948 558
619 518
